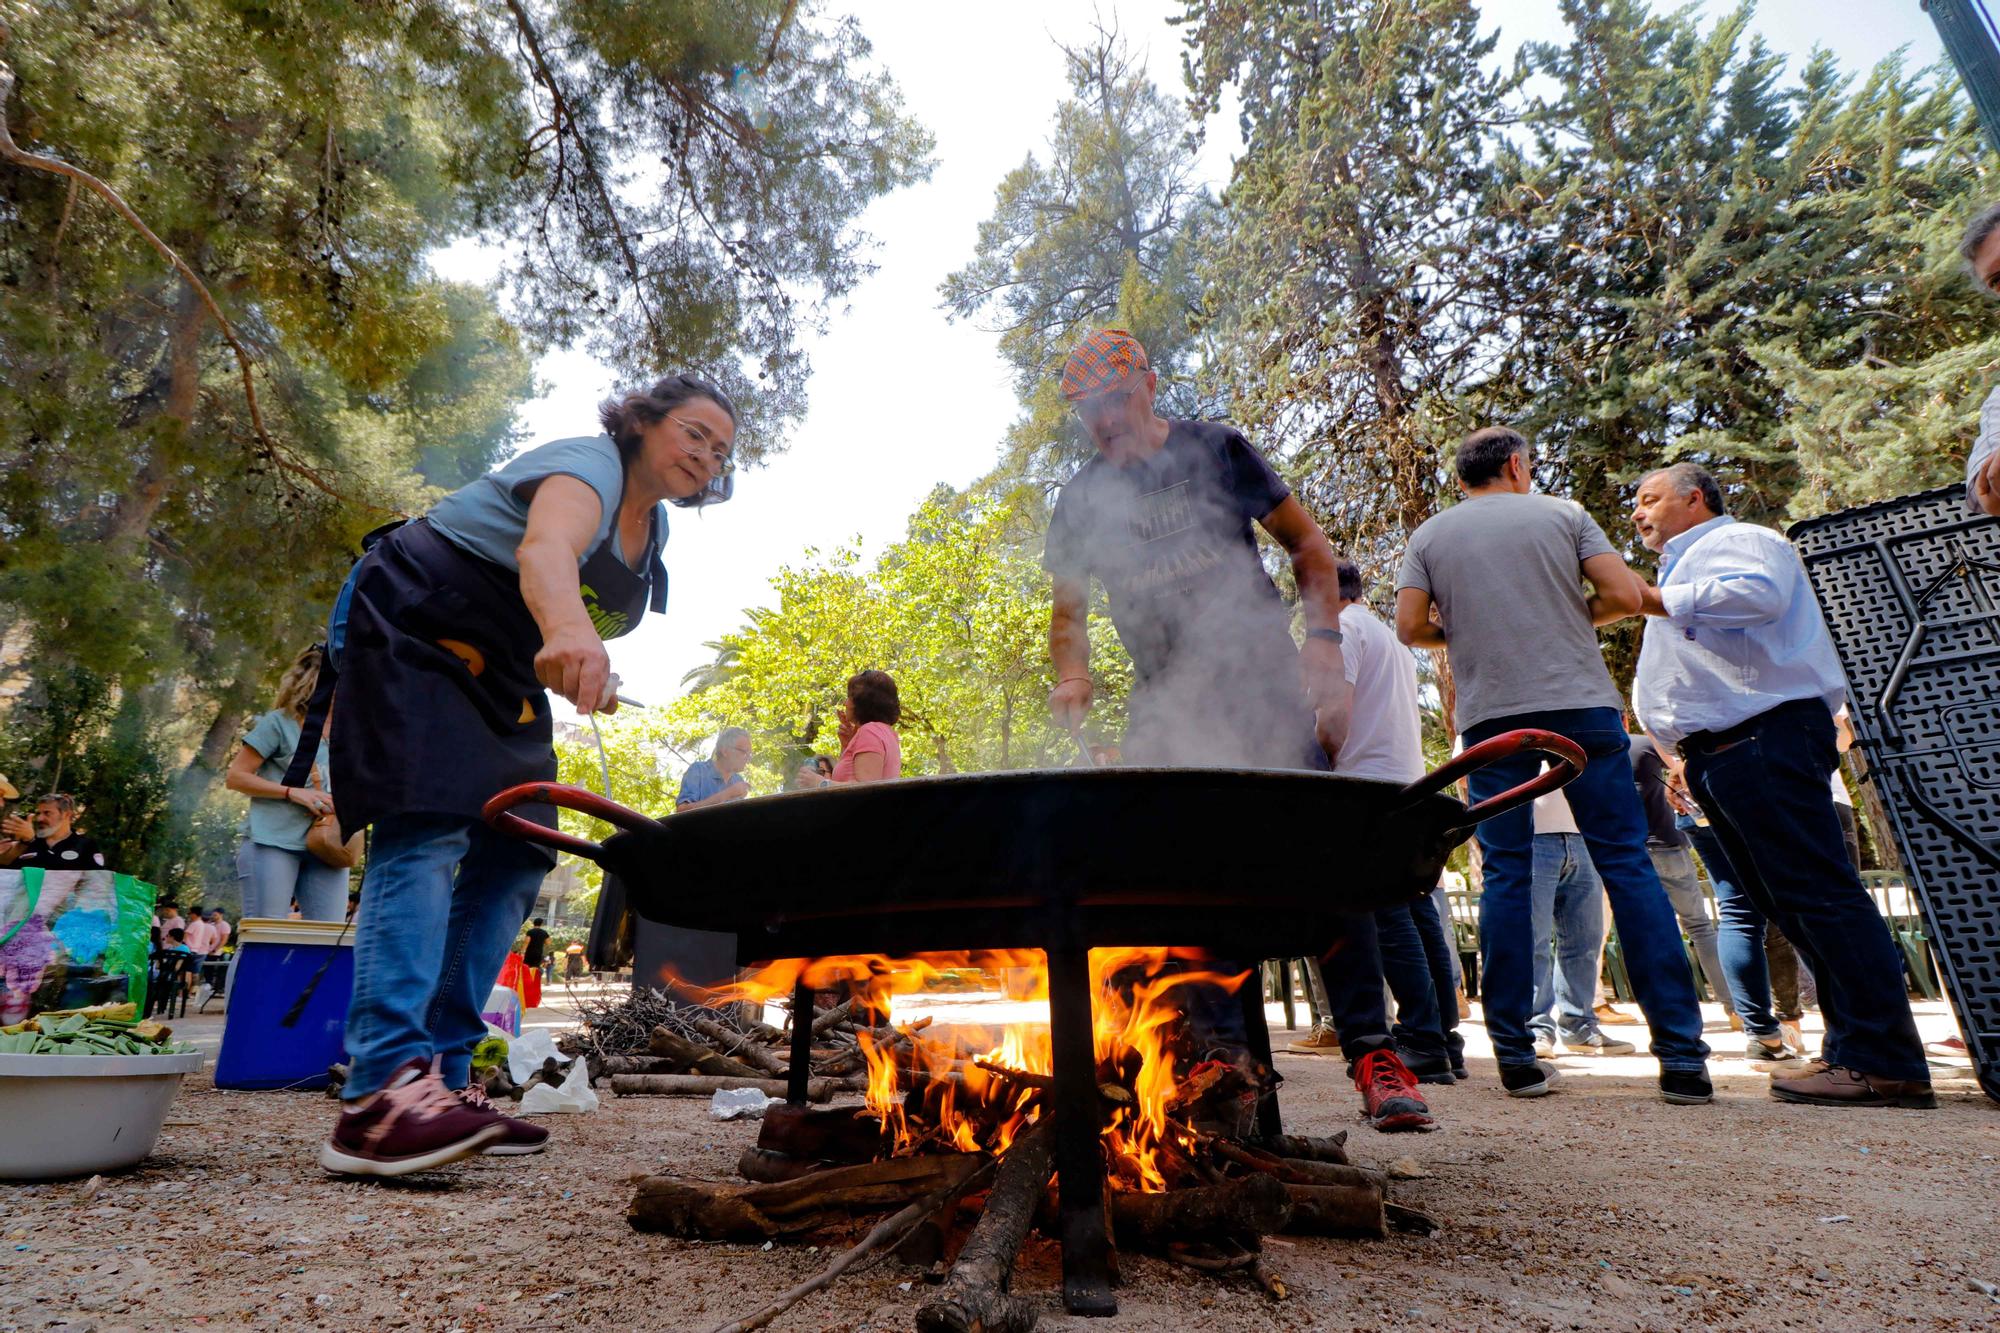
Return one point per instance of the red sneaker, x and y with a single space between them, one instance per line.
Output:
1389 1092
520 1138
414 1124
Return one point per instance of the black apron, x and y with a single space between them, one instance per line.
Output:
437 699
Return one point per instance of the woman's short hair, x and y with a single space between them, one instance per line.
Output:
295 688
873 694
626 416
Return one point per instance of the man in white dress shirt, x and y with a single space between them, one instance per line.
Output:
1981 250
1738 676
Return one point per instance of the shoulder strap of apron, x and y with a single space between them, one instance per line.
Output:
299 772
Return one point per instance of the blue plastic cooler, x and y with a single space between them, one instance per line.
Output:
276 961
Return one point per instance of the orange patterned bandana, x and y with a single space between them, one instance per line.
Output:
1102 362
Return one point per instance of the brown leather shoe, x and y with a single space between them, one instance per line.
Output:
1836 1085
1608 1014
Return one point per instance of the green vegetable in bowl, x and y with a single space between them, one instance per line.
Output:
84 1034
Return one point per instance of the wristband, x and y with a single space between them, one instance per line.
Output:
1064 680
1330 635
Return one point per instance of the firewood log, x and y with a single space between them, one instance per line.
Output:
832 1134
609 1065
1240 1209
765 1167
826 1020
974 1297
1308 1146
706 1085
735 1046
718 1211
1337 1210
691 1055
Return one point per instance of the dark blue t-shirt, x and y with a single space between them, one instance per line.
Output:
1171 540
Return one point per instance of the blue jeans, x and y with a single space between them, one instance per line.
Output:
1675 868
1607 810
1416 962
1766 798
279 874
1569 937
442 902
1739 936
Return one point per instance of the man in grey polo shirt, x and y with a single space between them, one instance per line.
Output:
1504 570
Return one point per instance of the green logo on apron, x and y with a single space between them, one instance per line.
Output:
608 624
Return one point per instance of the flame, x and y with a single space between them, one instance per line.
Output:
957 1078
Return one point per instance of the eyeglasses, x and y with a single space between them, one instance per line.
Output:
705 448
1104 404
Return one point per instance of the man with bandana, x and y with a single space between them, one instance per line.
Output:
1163 518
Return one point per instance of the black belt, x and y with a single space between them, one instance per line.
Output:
1708 742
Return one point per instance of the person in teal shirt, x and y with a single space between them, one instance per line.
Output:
278 866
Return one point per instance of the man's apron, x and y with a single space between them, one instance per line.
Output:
436 691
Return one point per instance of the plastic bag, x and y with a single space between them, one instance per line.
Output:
739 1104
575 1094
526 1053
67 935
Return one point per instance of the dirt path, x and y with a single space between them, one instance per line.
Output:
1599 1207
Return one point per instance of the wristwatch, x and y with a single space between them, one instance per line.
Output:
1330 635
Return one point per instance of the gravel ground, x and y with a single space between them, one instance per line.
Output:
1598 1207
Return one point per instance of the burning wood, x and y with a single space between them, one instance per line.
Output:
1188 1174
974 1297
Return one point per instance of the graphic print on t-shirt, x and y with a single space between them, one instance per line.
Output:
1157 517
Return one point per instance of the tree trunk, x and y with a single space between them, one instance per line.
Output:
133 513
212 755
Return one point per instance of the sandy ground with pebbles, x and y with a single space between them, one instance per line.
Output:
1597 1207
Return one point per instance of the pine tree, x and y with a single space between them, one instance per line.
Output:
1352 288
1103 234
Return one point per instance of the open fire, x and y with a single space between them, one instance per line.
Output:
968 1088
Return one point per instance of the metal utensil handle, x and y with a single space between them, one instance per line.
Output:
498 812
1083 754
1569 757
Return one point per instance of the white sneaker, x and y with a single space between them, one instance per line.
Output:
202 996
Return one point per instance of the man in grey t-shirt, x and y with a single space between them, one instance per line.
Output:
1497 582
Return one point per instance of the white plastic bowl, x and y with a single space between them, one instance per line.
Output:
74 1115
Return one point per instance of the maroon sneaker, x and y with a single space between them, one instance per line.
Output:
1389 1091
414 1124
519 1139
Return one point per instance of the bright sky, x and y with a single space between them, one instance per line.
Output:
873 446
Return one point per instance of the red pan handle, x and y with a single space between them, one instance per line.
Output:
498 812
1569 757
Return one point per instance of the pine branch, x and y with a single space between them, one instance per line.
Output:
21 157
566 127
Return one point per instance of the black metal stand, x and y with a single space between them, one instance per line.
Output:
1086 1244
800 1074
1259 1031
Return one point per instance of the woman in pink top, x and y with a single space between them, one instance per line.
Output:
869 750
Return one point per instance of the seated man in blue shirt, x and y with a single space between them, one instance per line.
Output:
717 780
1738 676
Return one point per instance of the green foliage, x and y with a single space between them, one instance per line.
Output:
693 175
1350 294
74 733
954 612
681 181
1756 276
1104 233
